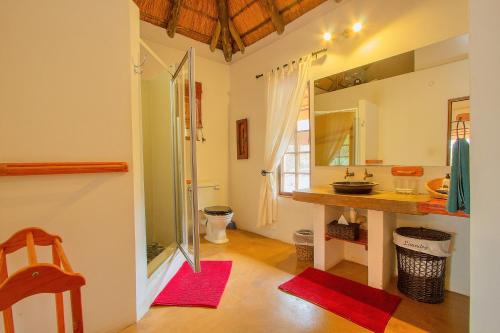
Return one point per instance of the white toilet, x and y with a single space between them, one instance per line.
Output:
218 217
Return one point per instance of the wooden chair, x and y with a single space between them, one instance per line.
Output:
37 278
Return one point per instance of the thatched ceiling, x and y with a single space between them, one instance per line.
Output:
228 25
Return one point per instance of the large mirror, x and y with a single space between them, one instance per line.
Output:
402 110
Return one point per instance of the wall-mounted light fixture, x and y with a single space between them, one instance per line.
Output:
357 27
327 36
354 29
348 32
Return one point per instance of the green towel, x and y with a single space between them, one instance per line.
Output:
459 193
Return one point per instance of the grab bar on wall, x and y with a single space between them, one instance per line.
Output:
216 187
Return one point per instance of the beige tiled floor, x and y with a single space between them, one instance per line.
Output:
253 303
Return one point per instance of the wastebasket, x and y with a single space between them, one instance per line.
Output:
304 244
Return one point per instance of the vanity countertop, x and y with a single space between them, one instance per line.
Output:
413 204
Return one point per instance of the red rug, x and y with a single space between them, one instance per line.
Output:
366 306
202 289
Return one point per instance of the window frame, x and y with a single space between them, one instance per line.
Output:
352 150
297 152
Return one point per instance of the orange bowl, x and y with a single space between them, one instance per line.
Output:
432 185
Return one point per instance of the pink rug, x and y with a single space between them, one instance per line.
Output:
202 289
366 306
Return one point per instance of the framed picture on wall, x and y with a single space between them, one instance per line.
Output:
242 139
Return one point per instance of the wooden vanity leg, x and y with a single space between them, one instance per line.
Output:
326 253
381 250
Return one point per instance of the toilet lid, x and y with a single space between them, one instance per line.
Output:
218 210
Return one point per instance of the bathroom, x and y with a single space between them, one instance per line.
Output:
102 92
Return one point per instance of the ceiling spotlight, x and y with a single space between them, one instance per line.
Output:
356 27
327 36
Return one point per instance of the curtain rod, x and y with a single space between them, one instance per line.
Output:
315 53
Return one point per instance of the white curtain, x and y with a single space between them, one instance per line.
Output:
285 91
331 131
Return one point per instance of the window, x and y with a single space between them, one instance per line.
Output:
295 168
342 157
345 155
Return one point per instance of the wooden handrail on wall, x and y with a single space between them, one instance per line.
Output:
57 168
38 278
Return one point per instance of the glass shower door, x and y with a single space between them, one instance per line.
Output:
183 105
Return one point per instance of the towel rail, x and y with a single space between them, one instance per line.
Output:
58 168
464 129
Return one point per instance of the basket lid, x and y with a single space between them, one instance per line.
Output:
438 248
423 233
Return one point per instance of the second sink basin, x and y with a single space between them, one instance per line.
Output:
353 187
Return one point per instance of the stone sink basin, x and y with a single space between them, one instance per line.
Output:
354 187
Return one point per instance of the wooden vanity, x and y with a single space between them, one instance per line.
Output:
384 201
382 208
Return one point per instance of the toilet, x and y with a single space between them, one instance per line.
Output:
218 217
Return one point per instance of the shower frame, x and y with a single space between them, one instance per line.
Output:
187 238
182 223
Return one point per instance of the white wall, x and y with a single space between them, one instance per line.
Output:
66 94
485 156
394 28
451 50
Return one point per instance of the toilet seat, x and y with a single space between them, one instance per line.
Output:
218 217
218 210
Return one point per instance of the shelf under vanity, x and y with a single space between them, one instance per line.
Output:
382 209
362 240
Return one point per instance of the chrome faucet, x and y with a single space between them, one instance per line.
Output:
348 174
367 175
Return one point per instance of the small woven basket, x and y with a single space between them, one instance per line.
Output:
344 231
304 244
421 275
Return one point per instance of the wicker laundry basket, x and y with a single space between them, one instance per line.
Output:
421 275
304 244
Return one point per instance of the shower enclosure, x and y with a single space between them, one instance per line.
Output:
183 111
169 155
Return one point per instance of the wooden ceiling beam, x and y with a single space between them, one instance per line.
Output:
274 13
174 17
236 36
227 47
215 37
